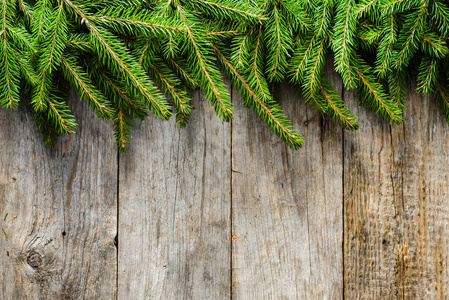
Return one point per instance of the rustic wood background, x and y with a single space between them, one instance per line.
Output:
226 210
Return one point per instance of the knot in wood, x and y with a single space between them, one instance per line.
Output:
34 259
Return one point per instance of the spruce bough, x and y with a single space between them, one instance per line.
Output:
130 58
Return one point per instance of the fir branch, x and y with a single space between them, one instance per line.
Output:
46 127
340 113
162 74
428 73
227 9
9 76
116 55
224 33
9 70
278 41
312 80
117 93
344 44
122 128
385 50
365 7
20 38
297 15
324 18
300 58
181 67
114 52
242 48
53 45
26 9
410 37
27 70
434 45
80 79
374 95
268 110
41 13
440 13
209 76
397 82
136 22
255 70
79 42
58 111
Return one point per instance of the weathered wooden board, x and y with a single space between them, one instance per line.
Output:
89 195
396 205
425 197
223 210
61 206
174 209
370 211
286 206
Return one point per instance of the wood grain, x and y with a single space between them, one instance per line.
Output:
89 194
287 206
222 210
174 235
396 209
61 206
371 214
425 194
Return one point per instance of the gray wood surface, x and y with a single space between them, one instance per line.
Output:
287 207
396 205
61 210
174 209
226 210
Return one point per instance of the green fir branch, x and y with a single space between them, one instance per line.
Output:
125 57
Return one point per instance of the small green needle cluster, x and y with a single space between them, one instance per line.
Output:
130 58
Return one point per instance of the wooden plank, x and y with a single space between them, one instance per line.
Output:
287 206
31 255
425 171
370 209
396 212
61 206
174 200
89 194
